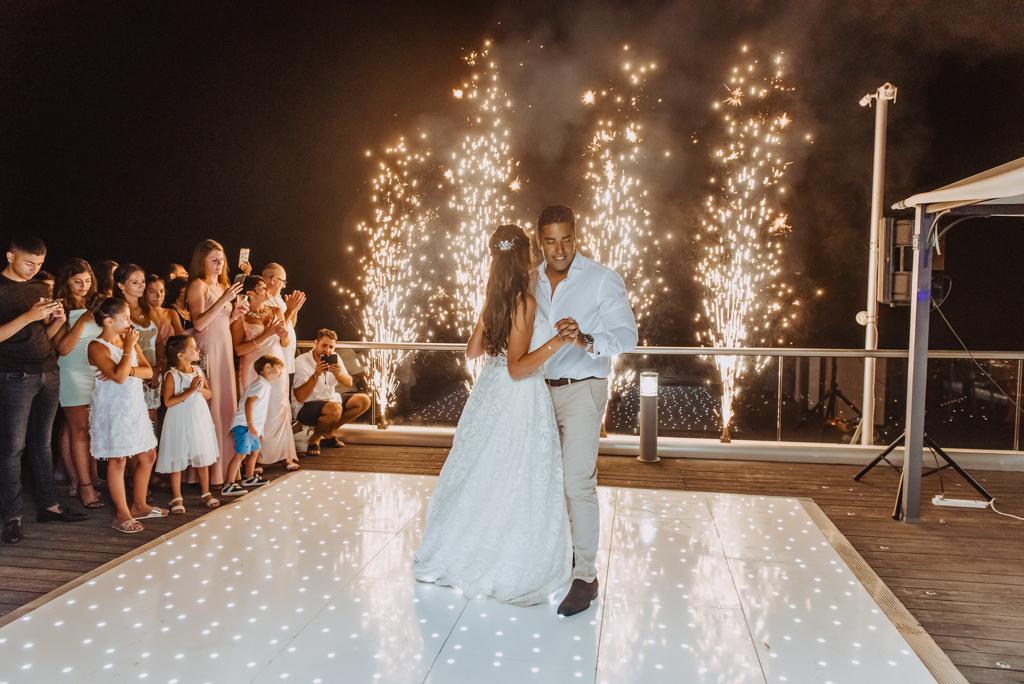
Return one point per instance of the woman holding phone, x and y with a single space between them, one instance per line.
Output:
263 331
213 304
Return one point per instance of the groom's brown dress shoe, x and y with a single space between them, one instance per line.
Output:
579 598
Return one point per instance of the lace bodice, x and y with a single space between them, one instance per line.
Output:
497 524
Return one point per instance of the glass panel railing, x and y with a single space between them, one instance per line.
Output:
431 387
807 395
964 408
822 398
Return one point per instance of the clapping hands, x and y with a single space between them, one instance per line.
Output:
294 301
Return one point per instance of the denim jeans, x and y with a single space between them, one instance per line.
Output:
28 404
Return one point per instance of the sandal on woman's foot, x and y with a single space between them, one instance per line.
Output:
95 503
292 466
313 450
154 512
208 499
130 526
177 505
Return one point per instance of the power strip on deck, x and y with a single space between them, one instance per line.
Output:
941 500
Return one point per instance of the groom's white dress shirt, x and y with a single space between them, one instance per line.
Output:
595 296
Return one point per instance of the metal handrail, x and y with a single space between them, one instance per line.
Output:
712 351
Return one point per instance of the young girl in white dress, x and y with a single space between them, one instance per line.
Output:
188 438
119 426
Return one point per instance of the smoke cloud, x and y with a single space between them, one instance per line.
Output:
835 51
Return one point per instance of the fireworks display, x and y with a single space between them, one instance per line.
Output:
742 229
482 174
739 238
617 225
392 263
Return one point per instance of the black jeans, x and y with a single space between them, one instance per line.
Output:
28 404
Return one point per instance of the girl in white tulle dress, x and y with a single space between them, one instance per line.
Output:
188 438
497 524
119 426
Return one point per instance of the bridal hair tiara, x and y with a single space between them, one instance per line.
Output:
505 245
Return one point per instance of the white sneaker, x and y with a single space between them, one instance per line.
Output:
254 481
233 489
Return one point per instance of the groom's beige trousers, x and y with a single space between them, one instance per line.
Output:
579 411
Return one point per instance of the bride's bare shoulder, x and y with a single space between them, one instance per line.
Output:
526 307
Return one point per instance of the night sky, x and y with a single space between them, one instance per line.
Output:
133 130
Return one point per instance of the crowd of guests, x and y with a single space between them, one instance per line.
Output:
207 363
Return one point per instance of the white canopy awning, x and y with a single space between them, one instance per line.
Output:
1003 184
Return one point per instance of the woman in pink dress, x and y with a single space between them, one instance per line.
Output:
264 331
212 306
167 321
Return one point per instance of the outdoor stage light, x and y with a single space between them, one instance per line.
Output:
648 417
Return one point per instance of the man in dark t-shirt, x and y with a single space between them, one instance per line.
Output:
29 387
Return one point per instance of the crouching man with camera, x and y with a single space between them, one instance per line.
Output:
319 373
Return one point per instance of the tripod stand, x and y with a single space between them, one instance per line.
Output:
897 512
827 405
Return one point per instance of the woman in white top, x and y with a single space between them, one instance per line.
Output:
130 285
76 288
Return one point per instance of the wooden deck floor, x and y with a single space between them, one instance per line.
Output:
960 572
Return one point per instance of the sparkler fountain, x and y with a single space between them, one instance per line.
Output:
391 269
742 231
617 226
482 174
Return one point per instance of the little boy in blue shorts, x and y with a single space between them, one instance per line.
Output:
247 427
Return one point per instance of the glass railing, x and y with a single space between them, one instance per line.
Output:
795 395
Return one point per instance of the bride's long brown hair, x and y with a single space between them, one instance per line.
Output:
508 281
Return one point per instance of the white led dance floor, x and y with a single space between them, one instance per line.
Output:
309 580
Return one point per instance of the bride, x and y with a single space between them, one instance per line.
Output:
497 523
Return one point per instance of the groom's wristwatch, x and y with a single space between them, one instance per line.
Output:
588 341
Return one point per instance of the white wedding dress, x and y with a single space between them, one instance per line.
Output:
497 524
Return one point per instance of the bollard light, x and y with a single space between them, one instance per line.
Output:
648 417
648 384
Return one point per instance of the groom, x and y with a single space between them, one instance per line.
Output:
589 303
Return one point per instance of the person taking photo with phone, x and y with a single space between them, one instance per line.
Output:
30 323
324 388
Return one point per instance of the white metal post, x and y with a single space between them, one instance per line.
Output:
881 97
917 367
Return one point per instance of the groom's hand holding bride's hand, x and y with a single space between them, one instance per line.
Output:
569 330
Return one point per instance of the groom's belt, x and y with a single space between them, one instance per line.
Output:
559 382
